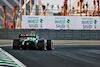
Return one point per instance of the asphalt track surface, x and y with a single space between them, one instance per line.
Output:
79 54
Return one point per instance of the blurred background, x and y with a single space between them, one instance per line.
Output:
11 11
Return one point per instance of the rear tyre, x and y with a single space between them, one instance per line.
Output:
41 45
49 45
16 44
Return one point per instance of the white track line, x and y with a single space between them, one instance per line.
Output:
13 58
5 45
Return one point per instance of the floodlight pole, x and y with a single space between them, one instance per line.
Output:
39 4
25 7
98 8
94 8
98 5
20 14
14 16
4 9
65 8
86 8
69 5
80 7
30 6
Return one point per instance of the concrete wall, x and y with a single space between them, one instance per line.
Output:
53 34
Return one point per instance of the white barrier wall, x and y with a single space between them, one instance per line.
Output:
60 22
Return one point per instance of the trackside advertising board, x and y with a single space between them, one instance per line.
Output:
60 22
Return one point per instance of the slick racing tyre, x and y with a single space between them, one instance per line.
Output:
41 45
16 44
49 45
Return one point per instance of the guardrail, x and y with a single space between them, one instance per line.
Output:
53 34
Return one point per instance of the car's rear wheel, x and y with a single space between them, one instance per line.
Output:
16 44
41 45
49 45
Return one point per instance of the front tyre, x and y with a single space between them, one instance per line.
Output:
16 44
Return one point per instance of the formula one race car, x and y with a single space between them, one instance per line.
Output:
32 41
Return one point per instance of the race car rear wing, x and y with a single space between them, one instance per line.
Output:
26 35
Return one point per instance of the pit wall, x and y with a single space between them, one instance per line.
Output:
53 34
